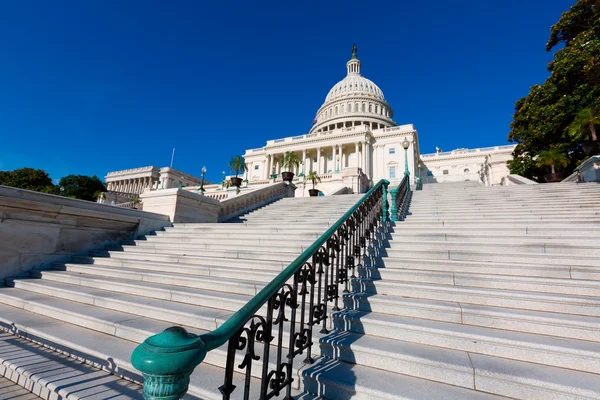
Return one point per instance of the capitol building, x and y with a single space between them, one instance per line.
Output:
354 142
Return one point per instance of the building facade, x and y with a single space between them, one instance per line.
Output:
354 142
354 135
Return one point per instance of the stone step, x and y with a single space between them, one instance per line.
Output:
435 236
503 217
519 346
133 252
158 271
222 244
459 368
480 280
497 256
538 322
535 301
482 247
445 204
110 312
285 241
391 269
48 374
109 352
169 286
14 391
244 228
338 380
262 236
203 266
561 230
572 225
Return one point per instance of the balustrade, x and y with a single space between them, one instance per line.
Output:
288 309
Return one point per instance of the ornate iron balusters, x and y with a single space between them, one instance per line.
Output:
297 300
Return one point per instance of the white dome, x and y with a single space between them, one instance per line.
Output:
353 101
354 86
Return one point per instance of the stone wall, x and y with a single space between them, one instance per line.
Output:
37 229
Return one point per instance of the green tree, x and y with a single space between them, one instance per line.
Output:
81 187
555 158
27 178
238 165
543 118
584 125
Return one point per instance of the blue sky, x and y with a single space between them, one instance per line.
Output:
88 87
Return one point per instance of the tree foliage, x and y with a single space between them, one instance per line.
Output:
27 178
543 118
238 165
81 187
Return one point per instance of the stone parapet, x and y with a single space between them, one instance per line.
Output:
182 205
37 229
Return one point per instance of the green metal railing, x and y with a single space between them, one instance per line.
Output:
166 360
400 199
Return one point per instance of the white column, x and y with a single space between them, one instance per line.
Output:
364 157
341 155
304 161
333 161
319 161
369 157
356 154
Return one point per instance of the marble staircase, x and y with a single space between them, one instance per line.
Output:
97 308
480 293
492 291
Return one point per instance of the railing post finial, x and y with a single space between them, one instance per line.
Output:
166 361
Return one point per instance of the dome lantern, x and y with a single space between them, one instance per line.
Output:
353 65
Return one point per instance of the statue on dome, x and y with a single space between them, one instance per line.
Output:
354 48
438 150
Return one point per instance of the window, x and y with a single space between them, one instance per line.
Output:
330 158
445 172
466 171
392 150
256 167
370 108
393 172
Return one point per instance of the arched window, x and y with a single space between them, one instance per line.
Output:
343 108
363 107
376 109
370 107
355 107
336 110
466 171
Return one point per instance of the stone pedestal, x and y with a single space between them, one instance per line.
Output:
182 205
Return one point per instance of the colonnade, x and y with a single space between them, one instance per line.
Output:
134 185
322 159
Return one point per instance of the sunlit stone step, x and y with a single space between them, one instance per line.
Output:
520 346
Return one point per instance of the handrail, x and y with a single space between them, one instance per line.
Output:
166 360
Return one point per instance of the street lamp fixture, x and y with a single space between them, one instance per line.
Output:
202 179
405 146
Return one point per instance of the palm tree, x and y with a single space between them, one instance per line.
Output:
554 158
314 178
585 123
237 165
290 160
